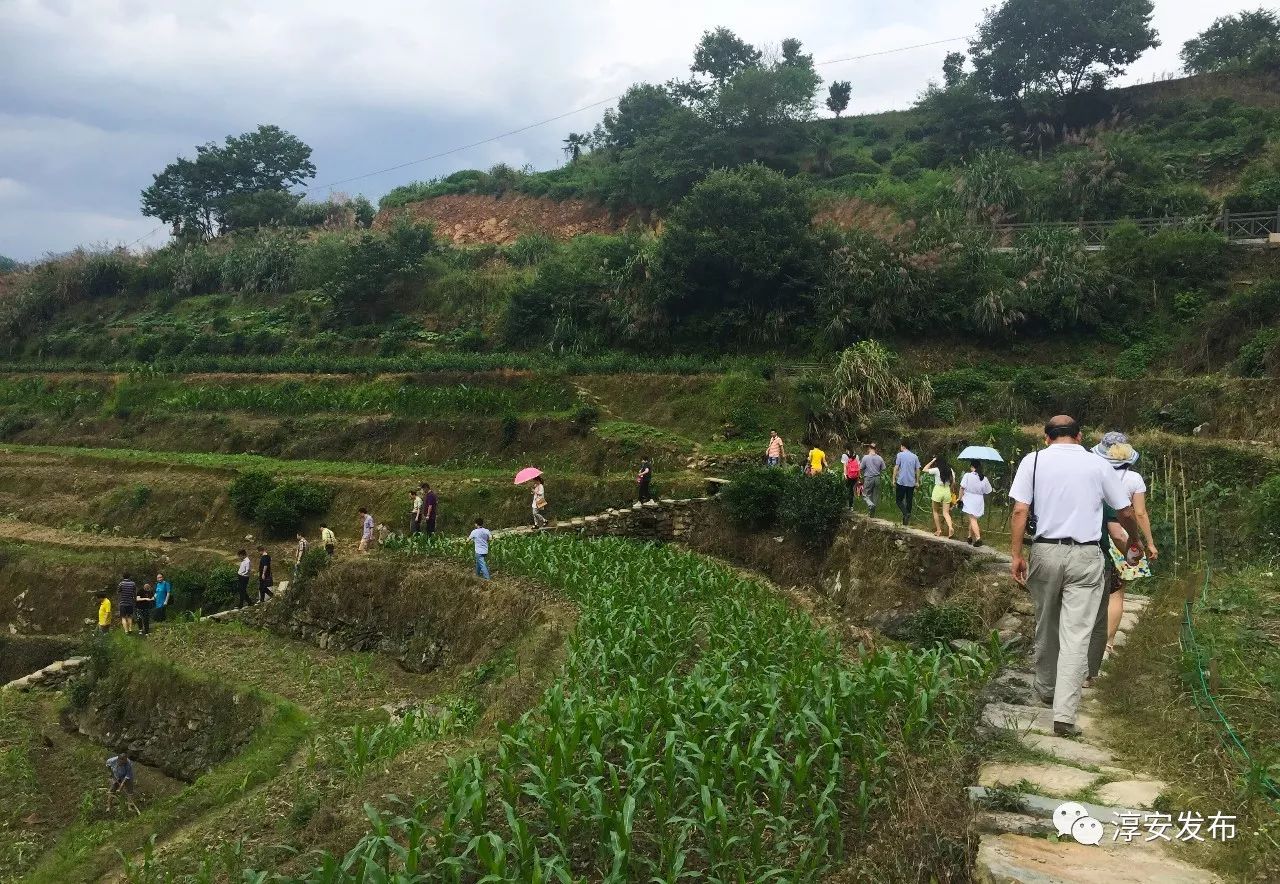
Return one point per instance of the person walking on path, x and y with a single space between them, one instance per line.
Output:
873 466
297 556
940 497
852 475
146 601
1116 543
415 512
906 478
104 612
264 575
540 504
242 579
127 596
430 503
163 590
328 540
1060 490
121 769
775 452
817 460
644 478
366 530
480 537
974 488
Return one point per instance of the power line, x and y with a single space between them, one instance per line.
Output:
578 110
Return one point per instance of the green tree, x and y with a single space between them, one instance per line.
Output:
838 97
721 55
7 265
243 182
1059 46
952 68
739 246
1231 40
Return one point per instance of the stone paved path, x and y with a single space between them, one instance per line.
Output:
1016 799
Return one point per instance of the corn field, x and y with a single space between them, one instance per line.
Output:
700 728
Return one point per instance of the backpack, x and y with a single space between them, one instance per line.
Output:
852 469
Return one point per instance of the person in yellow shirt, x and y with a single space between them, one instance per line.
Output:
817 460
104 612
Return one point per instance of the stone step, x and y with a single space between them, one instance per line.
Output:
1041 807
1011 716
1075 752
1004 859
1046 777
1133 793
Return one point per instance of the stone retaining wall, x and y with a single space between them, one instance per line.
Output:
654 520
50 677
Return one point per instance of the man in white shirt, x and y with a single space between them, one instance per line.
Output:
481 537
1064 485
242 578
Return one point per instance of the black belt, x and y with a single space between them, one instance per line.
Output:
1065 541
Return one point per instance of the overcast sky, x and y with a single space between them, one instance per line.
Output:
98 95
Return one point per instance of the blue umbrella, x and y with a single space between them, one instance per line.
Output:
981 452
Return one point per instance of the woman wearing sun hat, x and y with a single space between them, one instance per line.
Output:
1116 450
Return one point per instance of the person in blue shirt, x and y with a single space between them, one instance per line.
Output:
163 588
481 537
906 478
121 769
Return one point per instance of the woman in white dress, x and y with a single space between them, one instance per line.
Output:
539 505
974 488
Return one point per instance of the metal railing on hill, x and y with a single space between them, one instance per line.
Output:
1202 679
1234 226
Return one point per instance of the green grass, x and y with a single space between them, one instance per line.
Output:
700 726
87 851
231 462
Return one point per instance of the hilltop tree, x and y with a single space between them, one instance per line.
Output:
574 144
243 182
721 55
838 97
952 69
1232 40
739 247
7 265
1063 47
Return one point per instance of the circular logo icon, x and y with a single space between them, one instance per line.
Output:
1066 815
1087 830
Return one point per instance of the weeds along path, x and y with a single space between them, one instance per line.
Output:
27 532
700 724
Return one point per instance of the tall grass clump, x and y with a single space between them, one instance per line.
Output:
700 728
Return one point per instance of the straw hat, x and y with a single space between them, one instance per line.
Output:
1116 450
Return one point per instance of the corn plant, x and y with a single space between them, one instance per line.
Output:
699 728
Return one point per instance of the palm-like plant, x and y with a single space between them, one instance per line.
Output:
865 383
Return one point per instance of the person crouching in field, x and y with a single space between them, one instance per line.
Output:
121 769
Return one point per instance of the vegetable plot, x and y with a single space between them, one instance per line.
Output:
700 728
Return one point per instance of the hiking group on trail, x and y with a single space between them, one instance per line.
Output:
1083 513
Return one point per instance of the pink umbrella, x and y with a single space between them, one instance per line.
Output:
526 474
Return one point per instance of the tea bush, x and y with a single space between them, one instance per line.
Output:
247 490
811 508
752 499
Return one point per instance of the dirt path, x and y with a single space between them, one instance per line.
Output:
26 532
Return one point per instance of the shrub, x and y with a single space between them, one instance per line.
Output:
1252 360
751 500
585 416
850 162
904 165
1188 306
510 429
247 490
881 154
1264 513
529 249
203 589
282 509
811 508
